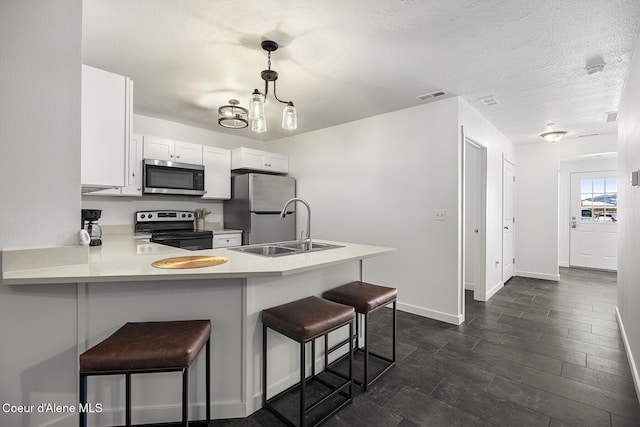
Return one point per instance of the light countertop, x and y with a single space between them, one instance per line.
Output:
125 257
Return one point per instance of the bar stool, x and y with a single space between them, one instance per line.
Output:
147 347
303 321
365 298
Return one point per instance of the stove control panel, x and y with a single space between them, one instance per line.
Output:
163 216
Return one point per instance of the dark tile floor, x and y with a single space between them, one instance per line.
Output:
538 354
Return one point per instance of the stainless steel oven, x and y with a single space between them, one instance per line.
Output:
173 228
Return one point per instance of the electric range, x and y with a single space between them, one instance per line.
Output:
173 228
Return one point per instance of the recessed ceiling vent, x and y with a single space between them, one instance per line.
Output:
432 95
488 100
611 116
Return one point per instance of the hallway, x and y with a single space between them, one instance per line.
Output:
538 354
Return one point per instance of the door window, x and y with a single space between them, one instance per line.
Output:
599 200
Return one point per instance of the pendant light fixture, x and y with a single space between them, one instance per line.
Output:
232 116
257 116
554 136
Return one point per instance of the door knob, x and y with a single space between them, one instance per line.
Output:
506 228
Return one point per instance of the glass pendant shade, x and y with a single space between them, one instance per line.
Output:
258 126
289 117
256 106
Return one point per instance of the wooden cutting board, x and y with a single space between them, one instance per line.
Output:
189 262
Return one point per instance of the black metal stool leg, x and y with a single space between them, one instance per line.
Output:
185 397
303 376
395 326
83 400
264 365
208 382
366 352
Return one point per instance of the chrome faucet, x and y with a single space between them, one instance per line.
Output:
283 213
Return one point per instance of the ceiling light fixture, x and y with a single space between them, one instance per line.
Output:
257 116
554 136
231 116
595 68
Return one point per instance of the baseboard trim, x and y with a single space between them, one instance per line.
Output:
543 276
431 314
494 290
627 347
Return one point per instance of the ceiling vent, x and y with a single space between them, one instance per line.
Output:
611 116
431 96
488 100
588 134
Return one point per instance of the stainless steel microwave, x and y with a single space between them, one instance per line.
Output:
162 177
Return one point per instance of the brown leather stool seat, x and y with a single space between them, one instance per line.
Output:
364 298
145 347
303 321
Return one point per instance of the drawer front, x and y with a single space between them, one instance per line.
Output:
226 240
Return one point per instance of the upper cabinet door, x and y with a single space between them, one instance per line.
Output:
244 158
134 165
217 172
105 127
158 148
172 151
188 152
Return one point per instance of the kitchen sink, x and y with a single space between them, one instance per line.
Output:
304 246
266 250
284 248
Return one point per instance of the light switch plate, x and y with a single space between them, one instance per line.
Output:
440 215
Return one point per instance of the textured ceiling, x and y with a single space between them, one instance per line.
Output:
341 61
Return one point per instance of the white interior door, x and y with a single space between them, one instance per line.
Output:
594 216
474 196
508 219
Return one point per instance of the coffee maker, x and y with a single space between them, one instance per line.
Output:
89 218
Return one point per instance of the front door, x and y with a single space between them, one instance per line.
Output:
594 217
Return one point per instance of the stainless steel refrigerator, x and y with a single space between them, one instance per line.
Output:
255 205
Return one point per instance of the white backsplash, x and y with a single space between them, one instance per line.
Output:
120 210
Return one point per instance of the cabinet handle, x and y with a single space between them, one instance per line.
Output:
170 155
178 156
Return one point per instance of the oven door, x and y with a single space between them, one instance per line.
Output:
189 243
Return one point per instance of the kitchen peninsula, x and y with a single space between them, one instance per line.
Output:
116 283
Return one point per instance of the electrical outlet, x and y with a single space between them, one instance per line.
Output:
440 215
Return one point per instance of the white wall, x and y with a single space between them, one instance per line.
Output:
629 233
40 41
537 200
120 210
379 180
589 163
480 130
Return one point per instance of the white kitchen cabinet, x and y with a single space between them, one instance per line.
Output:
133 185
106 114
134 167
172 151
258 160
217 172
227 240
